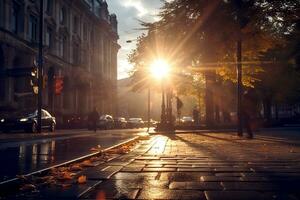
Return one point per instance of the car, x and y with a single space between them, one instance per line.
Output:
187 121
106 122
152 123
75 122
120 122
27 120
135 123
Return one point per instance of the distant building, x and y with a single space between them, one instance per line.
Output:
80 45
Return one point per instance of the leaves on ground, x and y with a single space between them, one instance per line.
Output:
76 167
87 163
81 179
28 187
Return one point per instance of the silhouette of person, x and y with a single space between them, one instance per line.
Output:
93 118
248 111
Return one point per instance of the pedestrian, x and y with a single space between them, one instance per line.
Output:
248 112
93 118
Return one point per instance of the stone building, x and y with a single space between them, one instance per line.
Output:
80 45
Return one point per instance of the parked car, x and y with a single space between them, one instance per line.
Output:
27 120
135 123
75 121
120 122
106 122
152 123
187 121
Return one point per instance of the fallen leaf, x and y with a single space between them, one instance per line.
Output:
87 163
65 176
81 179
76 167
28 187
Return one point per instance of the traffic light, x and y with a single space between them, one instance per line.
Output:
58 85
34 80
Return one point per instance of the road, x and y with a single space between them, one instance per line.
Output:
22 153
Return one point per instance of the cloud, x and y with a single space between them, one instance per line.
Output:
129 12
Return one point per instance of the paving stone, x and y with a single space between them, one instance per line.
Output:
182 176
233 174
220 178
159 169
154 193
131 169
195 186
254 178
110 190
194 169
257 186
134 165
139 175
159 162
236 195
158 166
232 169
147 158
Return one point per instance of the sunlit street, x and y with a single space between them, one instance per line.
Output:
149 99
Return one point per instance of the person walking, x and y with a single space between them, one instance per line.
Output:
248 112
93 118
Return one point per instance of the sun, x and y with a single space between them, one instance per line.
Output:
160 69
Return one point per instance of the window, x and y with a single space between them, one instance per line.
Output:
33 27
15 18
49 6
63 46
97 7
49 38
62 15
75 24
85 31
76 54
90 3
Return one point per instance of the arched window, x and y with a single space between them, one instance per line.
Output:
62 15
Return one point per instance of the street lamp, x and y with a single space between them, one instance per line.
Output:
160 70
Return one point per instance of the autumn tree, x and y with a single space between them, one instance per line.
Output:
200 36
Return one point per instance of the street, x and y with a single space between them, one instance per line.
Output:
208 165
25 153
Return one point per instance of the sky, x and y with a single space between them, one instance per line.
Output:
129 12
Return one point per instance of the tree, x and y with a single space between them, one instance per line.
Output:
201 35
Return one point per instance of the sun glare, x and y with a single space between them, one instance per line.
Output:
159 69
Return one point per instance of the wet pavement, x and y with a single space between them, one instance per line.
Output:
204 166
25 153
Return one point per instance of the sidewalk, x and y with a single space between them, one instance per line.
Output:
199 166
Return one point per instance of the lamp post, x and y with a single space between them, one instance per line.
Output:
160 70
40 68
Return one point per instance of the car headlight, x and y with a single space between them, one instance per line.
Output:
2 120
24 120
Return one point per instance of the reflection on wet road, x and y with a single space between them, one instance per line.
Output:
22 157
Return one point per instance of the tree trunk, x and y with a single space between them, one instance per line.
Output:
209 99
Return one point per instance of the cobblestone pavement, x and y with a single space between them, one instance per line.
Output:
199 166
203 166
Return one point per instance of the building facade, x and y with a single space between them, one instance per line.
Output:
80 46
